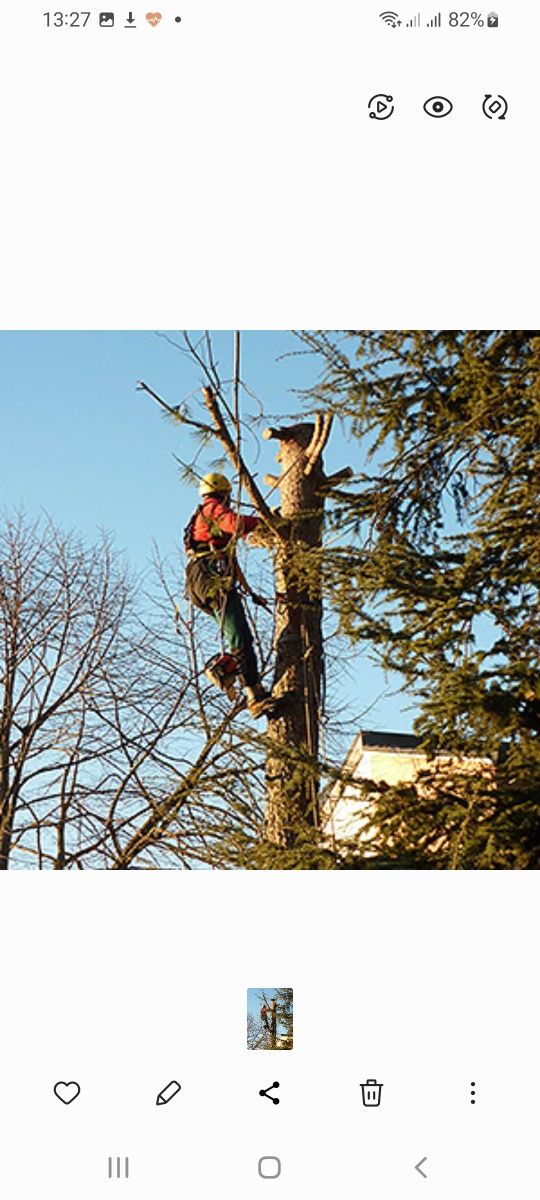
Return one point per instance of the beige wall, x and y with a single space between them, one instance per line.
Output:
346 812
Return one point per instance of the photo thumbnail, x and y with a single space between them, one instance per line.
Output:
270 1019
269 600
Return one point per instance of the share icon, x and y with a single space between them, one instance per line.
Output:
265 1091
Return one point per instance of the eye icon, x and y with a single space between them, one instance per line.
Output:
438 106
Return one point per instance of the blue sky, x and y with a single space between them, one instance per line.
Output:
85 446
253 999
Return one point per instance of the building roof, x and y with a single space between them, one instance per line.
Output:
370 739
373 739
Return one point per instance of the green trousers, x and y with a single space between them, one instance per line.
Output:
237 636
211 594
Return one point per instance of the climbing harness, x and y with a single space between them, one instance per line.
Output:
212 544
212 577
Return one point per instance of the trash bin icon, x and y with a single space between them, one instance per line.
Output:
371 1093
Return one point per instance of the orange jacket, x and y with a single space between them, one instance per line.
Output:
217 523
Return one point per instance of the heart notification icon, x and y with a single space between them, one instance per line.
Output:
67 1092
153 19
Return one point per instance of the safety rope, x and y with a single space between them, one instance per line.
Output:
310 702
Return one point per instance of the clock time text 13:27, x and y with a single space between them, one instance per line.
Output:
69 19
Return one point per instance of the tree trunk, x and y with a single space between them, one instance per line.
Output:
7 805
273 1025
292 756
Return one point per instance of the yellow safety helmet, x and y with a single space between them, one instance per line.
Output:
214 482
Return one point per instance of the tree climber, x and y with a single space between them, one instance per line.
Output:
212 576
264 1017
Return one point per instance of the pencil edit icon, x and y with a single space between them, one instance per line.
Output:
168 1093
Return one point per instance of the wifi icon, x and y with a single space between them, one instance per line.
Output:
390 18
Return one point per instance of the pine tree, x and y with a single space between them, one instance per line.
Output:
284 1006
437 571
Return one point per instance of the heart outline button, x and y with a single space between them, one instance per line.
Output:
67 1092
153 18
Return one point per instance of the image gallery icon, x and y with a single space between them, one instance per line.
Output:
106 20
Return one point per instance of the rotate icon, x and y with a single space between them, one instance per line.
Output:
495 107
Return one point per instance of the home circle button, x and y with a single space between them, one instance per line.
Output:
269 1167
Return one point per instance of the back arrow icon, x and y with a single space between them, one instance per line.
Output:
419 1166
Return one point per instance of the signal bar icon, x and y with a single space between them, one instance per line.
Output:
414 22
435 23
